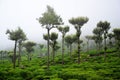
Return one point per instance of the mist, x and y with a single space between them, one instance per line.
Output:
23 13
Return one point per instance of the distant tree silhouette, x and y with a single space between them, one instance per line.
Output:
49 20
63 30
88 37
70 39
53 43
98 36
15 36
41 46
105 26
110 36
117 37
20 47
29 48
78 23
1 55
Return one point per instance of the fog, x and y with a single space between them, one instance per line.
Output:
23 13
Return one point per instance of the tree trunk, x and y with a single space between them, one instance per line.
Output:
105 48
110 43
71 51
78 50
19 56
48 48
63 49
78 35
14 56
99 47
2 56
88 46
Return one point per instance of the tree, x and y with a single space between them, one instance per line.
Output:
53 38
53 43
110 36
98 36
15 36
29 48
88 37
78 23
117 37
10 55
41 46
20 41
1 55
105 26
49 20
70 39
63 30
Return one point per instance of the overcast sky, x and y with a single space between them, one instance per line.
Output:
23 13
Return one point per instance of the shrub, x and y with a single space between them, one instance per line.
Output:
25 74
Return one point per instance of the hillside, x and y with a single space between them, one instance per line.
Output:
92 67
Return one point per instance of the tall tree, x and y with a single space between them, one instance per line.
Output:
117 37
49 20
88 37
98 36
63 30
110 36
53 38
15 36
53 43
70 39
105 26
20 41
1 56
29 48
78 23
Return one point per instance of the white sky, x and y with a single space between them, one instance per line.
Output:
23 13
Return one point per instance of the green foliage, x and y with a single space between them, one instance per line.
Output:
116 33
16 35
93 69
80 21
110 35
29 46
53 36
70 39
25 74
63 30
117 37
50 18
105 26
45 37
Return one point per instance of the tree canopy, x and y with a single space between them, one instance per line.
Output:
50 18
17 34
79 21
29 46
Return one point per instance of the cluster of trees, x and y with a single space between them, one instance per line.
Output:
19 36
3 55
50 20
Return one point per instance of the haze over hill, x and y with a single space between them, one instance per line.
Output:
23 13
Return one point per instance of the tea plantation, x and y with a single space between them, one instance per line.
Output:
92 67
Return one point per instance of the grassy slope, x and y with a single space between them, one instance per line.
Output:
91 68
